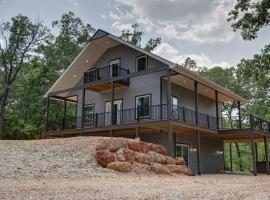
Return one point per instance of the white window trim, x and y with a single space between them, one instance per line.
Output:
136 106
143 56
185 145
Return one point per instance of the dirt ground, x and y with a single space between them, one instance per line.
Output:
131 187
66 169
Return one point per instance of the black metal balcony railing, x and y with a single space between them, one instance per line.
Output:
154 113
61 123
97 74
246 122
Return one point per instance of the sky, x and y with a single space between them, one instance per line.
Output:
188 28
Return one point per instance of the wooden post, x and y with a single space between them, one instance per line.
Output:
137 133
161 108
217 114
231 163
253 156
112 107
266 154
198 142
256 151
47 114
83 102
196 101
169 111
239 115
65 115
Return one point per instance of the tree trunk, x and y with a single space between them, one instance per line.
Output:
3 105
239 156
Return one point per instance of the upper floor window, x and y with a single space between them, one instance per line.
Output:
143 104
141 63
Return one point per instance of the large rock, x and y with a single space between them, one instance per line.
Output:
124 154
112 144
156 157
138 146
120 166
160 169
179 161
142 158
169 160
157 148
140 168
179 169
104 157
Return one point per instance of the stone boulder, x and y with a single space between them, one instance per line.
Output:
158 149
124 154
179 169
112 144
169 160
104 157
179 161
120 166
138 146
142 158
160 169
139 168
156 157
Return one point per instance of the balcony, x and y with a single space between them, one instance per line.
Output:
153 114
98 77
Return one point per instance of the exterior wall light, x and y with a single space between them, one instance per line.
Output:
219 152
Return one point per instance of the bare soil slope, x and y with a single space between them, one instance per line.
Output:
66 169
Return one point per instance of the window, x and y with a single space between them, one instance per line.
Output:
141 63
143 106
89 114
182 150
174 107
114 67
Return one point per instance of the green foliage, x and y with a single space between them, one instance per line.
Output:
249 17
134 36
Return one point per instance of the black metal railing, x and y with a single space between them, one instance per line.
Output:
246 122
154 113
97 74
62 123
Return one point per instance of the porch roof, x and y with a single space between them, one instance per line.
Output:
96 47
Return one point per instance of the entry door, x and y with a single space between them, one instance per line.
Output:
114 67
116 114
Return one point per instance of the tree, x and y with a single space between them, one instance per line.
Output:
134 36
249 17
21 37
190 64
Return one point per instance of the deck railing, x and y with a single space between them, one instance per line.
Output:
97 74
247 122
154 113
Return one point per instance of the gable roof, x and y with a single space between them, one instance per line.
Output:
95 48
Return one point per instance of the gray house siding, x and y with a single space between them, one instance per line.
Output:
211 160
186 99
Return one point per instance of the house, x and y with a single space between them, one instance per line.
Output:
118 89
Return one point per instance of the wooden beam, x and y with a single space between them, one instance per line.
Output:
239 115
217 114
83 102
266 154
231 163
47 113
254 159
169 111
196 101
65 115
198 142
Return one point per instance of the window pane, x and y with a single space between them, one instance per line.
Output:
141 63
143 106
182 151
185 153
174 107
89 114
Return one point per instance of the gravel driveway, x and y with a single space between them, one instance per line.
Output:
66 169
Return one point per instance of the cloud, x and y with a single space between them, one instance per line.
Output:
169 52
74 2
193 20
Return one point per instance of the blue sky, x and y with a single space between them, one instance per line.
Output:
192 28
